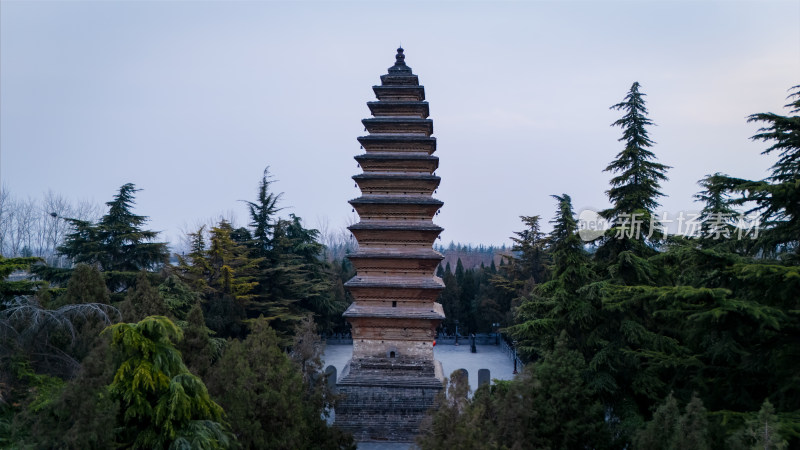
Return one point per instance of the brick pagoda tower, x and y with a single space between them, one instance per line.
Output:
393 378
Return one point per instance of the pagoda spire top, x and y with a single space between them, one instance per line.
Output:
400 67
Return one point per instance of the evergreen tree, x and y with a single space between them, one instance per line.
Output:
117 244
10 289
86 285
660 433
450 299
297 280
178 296
760 432
635 190
718 224
548 406
293 278
263 392
529 244
692 431
776 198
198 348
224 274
263 213
558 305
83 415
142 301
162 405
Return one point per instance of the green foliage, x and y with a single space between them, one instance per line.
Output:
117 244
178 296
762 431
548 406
778 197
83 415
24 390
53 341
224 274
634 190
263 393
162 404
557 304
263 213
692 431
86 285
142 301
670 430
11 289
529 244
198 348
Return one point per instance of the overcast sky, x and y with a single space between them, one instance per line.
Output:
191 100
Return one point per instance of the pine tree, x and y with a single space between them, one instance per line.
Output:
777 198
717 217
263 213
117 244
529 244
557 304
225 275
635 190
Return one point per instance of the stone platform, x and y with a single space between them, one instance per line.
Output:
385 399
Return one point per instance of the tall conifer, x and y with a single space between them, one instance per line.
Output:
636 187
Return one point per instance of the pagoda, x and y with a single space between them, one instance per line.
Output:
392 378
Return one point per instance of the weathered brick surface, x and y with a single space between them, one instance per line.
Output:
392 379
386 401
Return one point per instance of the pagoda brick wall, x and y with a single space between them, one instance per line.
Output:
393 378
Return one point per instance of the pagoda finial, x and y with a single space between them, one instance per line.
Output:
401 58
400 66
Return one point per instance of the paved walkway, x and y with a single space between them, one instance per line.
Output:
386 446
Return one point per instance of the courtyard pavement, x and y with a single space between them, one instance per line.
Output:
452 357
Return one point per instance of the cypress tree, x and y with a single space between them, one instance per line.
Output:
142 301
660 433
86 285
263 392
196 346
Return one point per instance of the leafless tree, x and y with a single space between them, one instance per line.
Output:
31 227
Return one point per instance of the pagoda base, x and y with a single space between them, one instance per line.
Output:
386 399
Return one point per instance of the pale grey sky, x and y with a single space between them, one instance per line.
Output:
190 100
